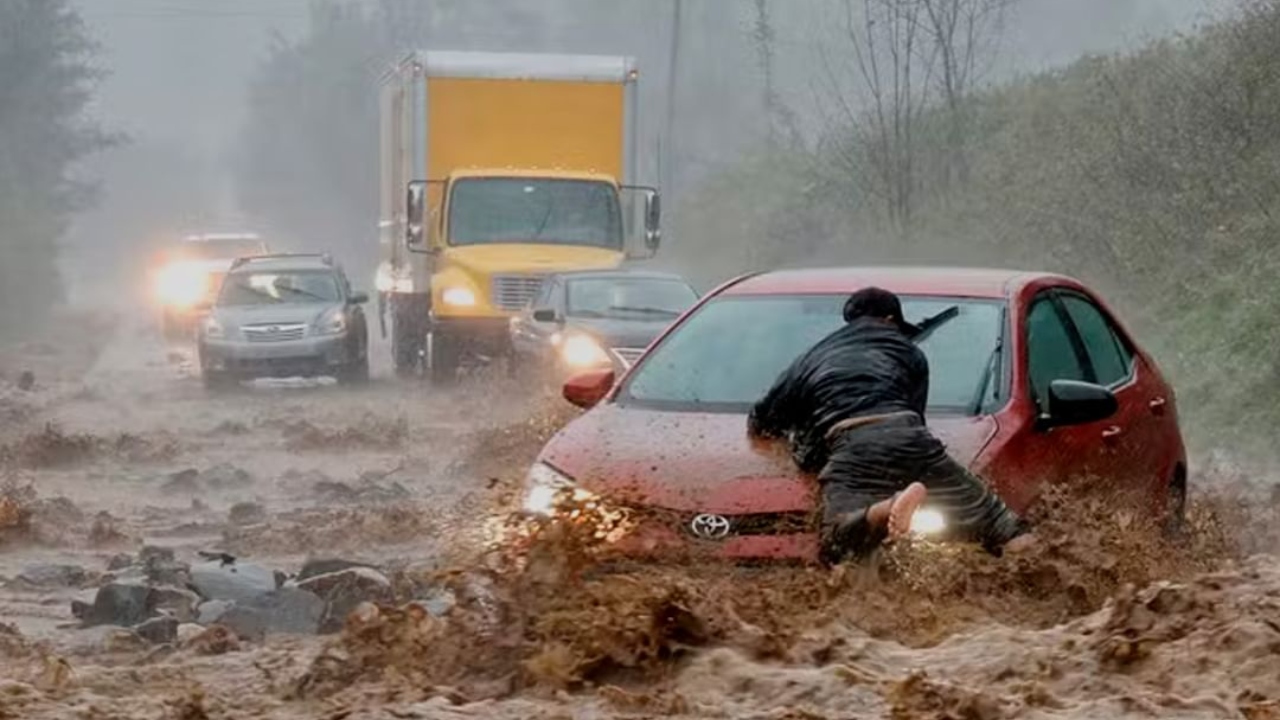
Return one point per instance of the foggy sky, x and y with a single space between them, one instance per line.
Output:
179 73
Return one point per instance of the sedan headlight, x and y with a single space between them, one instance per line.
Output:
582 351
544 485
333 322
927 522
458 297
181 285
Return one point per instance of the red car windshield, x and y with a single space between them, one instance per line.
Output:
727 354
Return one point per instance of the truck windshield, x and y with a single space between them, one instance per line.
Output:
487 211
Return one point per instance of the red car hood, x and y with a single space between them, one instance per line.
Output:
703 462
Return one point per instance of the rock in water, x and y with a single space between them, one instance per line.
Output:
210 612
53 575
237 581
224 476
120 604
342 591
324 566
119 562
287 610
179 603
158 631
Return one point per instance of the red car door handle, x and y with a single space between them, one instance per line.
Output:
1157 405
1111 433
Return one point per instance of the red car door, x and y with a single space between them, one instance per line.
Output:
1028 455
1138 440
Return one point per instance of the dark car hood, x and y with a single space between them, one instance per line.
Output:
703 462
621 333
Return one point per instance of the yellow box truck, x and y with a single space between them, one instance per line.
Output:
497 169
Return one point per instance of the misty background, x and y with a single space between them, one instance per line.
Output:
1130 143
181 76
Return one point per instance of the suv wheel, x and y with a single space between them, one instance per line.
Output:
356 373
445 357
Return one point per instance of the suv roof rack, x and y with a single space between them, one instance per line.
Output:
322 257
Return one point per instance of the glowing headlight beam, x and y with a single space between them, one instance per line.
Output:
927 522
582 351
181 284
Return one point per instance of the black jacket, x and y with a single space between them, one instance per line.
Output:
865 368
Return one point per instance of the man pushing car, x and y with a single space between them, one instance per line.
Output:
853 409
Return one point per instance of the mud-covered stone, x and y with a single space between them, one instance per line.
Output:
342 591
119 561
232 581
52 575
224 476
182 482
158 630
123 604
176 602
210 611
324 566
246 513
156 553
287 610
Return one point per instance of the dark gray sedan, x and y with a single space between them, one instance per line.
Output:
596 319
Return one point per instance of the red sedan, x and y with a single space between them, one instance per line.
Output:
1033 380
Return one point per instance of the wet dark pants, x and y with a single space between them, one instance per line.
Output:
871 463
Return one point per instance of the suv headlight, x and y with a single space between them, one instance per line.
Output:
333 322
543 486
213 328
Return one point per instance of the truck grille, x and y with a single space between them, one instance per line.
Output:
628 356
513 292
274 333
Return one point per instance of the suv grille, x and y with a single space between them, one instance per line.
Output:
274 333
513 292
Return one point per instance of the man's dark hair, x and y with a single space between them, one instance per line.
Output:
877 303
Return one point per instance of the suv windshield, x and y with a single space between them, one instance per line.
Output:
534 210
274 288
629 298
726 355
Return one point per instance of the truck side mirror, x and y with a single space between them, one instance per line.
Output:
415 202
652 220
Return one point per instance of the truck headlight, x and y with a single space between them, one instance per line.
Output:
582 351
212 328
544 486
458 297
927 522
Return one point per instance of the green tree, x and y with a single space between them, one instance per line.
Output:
46 81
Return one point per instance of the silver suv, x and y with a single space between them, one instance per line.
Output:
286 315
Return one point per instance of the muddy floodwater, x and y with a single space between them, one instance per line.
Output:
302 550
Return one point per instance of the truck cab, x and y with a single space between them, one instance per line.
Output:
527 158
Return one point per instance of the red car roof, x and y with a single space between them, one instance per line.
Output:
958 282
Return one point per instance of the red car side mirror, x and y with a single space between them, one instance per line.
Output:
589 388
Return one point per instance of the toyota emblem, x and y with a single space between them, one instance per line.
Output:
273 329
710 527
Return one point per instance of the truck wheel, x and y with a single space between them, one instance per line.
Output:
445 358
408 337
